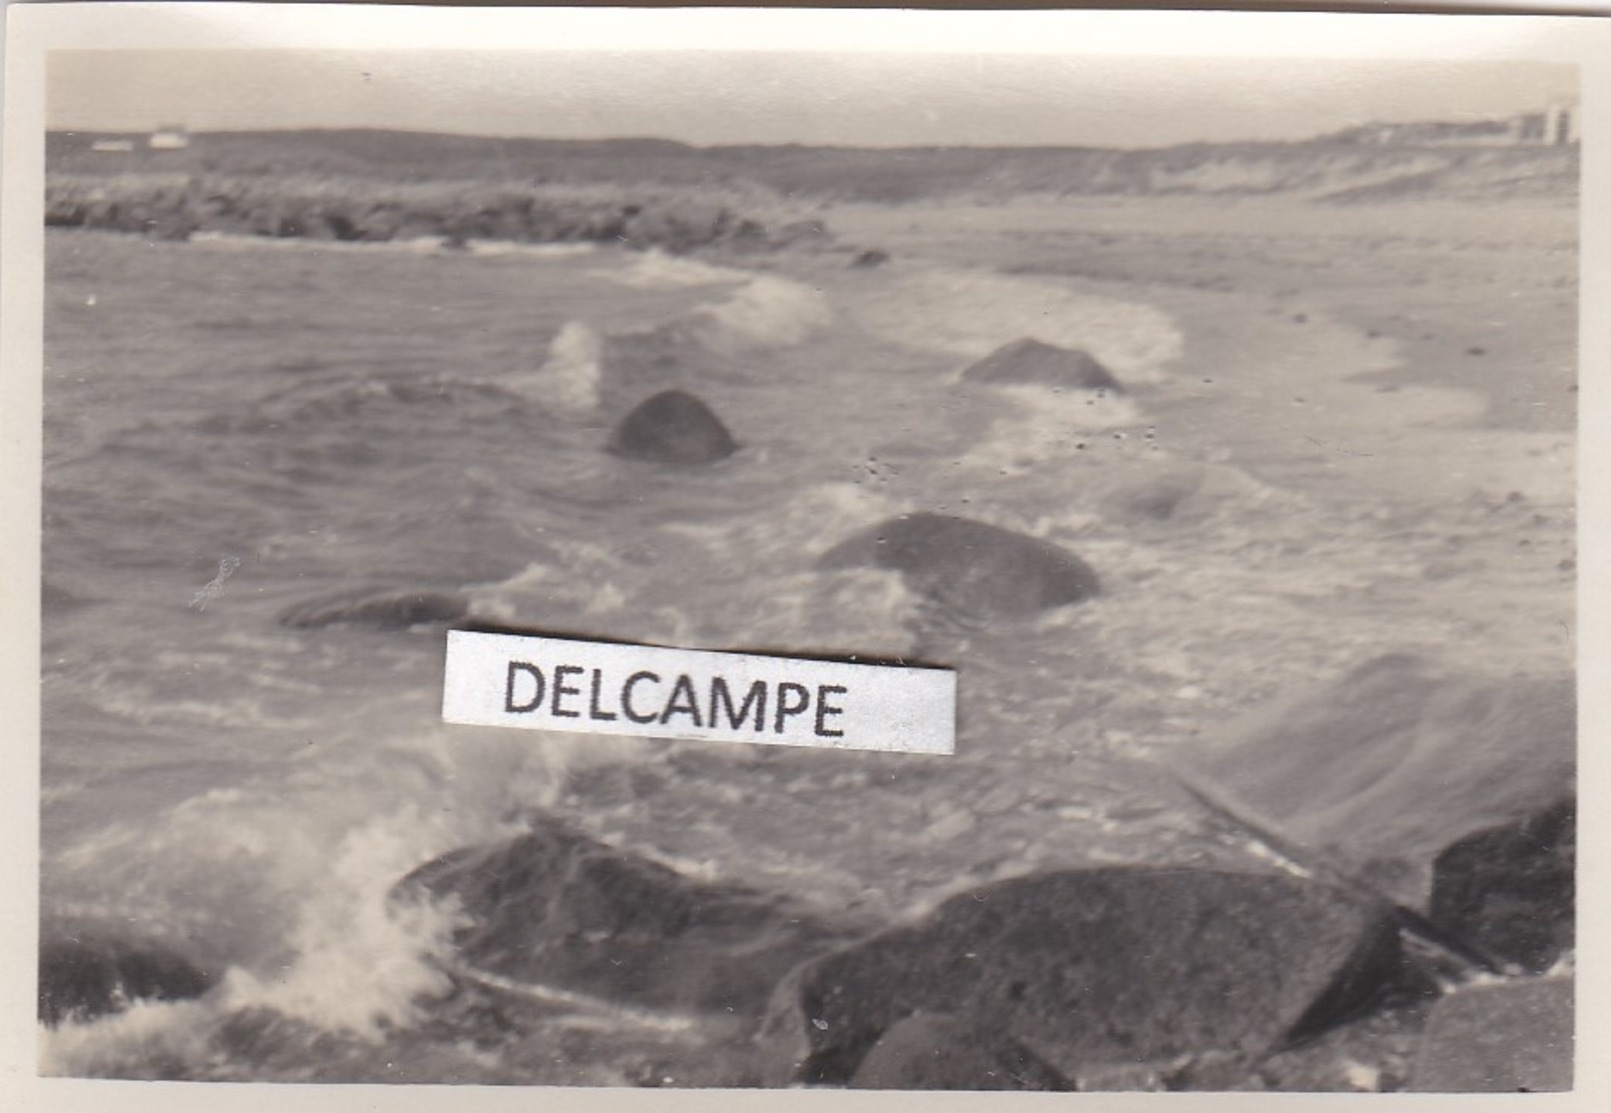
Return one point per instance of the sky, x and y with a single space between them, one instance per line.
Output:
809 97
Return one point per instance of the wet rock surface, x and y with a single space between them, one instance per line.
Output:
83 976
1511 889
924 1052
1086 969
554 912
1506 1037
373 610
1388 773
672 427
970 567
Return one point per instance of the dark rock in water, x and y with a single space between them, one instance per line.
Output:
1157 497
1085 969
1500 1038
557 910
1176 491
870 258
676 226
924 1052
1400 761
980 570
673 427
1030 361
1511 889
371 610
83 976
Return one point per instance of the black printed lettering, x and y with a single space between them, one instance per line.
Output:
561 690
626 697
721 697
824 710
785 708
594 711
682 702
509 705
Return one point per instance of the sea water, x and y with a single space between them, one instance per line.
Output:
231 431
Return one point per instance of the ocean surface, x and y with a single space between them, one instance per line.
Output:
236 428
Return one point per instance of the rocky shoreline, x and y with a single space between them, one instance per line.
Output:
1321 925
174 208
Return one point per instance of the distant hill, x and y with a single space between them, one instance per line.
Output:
1481 159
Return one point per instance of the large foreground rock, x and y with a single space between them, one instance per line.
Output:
1090 968
1034 362
980 570
557 910
672 427
924 1052
1512 889
1388 772
1505 1038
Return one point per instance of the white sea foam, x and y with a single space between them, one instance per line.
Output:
656 269
295 884
236 241
361 960
1047 428
530 250
968 314
147 1032
567 382
767 312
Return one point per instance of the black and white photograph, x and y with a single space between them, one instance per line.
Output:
983 569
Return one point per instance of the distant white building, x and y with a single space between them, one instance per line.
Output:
169 137
1562 125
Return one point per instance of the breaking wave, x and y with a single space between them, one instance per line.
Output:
767 312
968 314
568 380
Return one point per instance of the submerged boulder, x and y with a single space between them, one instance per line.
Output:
372 610
1085 969
672 427
1033 362
1388 771
84 975
1499 1038
1178 491
555 913
980 570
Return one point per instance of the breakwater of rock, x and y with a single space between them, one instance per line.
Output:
175 207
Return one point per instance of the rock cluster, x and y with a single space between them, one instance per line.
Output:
1052 981
360 211
1400 784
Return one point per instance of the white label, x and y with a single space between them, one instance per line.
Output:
506 680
